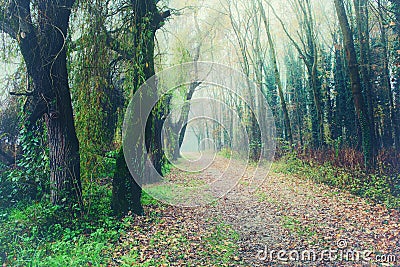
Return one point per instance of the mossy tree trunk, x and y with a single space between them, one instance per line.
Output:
356 87
41 31
144 23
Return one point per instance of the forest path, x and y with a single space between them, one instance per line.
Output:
287 213
292 213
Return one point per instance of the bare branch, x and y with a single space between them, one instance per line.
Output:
296 45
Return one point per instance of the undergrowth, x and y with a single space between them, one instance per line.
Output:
39 234
35 233
377 187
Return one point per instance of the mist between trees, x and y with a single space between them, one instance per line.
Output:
326 70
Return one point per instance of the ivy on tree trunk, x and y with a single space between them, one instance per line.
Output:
43 47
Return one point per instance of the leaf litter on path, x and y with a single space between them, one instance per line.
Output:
287 213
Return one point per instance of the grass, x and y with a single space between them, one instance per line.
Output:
216 247
226 153
295 226
223 244
38 234
373 187
190 194
263 196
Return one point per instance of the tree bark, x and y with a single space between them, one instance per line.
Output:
146 21
396 111
288 127
389 122
356 88
361 10
44 52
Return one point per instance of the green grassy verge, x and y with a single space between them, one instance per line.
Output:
370 186
38 234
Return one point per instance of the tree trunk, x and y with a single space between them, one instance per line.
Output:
64 160
389 122
288 127
126 192
63 142
43 49
309 55
396 111
356 88
361 10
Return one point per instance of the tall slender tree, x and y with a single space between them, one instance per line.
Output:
362 19
288 127
308 50
396 27
356 87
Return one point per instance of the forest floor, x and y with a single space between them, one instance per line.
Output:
287 213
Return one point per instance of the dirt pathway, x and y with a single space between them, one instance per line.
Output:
292 214
295 216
